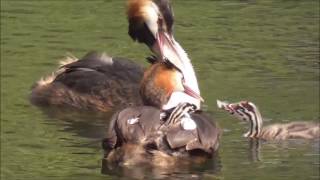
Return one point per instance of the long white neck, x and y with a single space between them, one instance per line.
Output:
173 51
184 64
188 71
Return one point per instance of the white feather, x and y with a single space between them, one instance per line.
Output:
187 123
179 97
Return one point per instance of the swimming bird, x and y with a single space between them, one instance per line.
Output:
94 82
247 111
103 83
166 127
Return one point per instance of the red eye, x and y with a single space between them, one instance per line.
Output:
160 22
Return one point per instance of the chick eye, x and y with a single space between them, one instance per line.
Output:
241 109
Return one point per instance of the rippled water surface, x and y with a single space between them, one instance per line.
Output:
265 51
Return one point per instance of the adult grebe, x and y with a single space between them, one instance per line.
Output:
100 82
165 135
249 112
167 129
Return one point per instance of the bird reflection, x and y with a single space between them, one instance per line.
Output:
182 170
254 150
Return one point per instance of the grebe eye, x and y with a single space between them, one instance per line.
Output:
160 22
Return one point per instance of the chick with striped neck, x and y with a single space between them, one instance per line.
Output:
249 112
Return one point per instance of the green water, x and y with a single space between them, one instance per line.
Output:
265 51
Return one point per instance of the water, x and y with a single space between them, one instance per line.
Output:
265 51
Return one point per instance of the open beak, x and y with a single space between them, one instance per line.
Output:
226 106
168 50
191 93
171 51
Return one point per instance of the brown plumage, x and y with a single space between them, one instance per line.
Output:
102 83
159 81
95 82
293 130
99 82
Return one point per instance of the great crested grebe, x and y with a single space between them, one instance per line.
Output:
151 22
163 131
166 127
100 82
163 136
247 111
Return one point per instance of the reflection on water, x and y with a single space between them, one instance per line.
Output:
254 150
93 125
265 51
211 168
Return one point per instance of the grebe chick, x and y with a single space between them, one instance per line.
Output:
247 111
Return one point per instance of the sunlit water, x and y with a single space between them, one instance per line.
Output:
265 51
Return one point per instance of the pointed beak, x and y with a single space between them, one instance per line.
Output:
226 106
159 40
191 93
170 50
167 49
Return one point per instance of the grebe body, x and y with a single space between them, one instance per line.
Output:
95 82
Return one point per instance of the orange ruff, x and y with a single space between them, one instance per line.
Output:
135 8
165 78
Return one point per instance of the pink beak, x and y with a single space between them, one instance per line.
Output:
191 93
162 39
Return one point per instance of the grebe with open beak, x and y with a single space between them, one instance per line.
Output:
103 83
151 22
166 125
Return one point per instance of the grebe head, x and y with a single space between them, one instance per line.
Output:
151 22
246 111
160 81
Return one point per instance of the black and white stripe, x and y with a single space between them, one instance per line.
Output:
178 112
248 112
245 111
